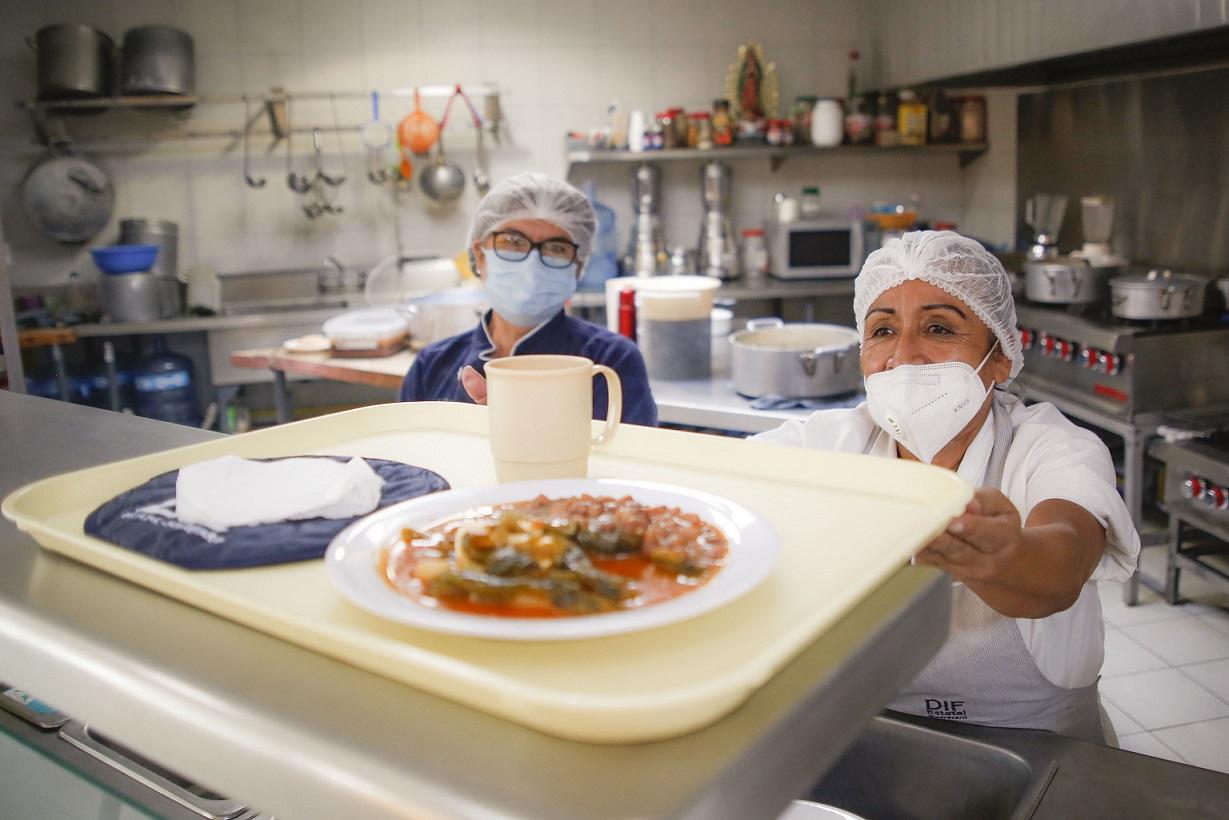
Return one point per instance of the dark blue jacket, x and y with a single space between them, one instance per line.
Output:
433 376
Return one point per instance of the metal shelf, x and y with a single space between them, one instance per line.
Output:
966 151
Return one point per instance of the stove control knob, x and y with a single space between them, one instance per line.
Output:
1089 358
1215 498
1193 488
1047 345
1111 364
1066 350
1027 337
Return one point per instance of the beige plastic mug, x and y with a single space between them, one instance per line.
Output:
541 411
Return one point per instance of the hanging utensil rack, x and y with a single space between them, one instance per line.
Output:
274 101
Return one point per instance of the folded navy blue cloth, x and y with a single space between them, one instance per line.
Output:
143 519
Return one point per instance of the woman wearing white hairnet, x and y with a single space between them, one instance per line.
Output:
938 328
529 241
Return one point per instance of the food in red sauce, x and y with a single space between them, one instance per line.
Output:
556 556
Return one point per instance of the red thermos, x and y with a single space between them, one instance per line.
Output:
627 313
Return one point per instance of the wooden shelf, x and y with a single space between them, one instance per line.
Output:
966 151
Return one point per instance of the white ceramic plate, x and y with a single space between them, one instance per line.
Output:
352 558
315 343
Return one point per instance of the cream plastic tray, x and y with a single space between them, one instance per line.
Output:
846 523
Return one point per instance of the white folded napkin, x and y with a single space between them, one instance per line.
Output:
235 492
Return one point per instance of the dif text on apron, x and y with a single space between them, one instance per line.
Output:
984 673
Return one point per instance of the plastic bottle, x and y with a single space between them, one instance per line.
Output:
637 128
603 261
164 386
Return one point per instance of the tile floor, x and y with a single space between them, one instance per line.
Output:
1165 683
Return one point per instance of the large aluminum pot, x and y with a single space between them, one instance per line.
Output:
130 297
1222 285
158 60
435 316
160 232
1158 294
74 62
1066 280
796 361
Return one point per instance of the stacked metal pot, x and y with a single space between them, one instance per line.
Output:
78 62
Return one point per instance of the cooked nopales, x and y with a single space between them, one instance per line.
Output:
552 557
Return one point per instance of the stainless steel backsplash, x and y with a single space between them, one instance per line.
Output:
1159 145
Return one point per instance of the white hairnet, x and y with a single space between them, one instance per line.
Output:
951 262
537 196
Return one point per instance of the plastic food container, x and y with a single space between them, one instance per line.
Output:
367 333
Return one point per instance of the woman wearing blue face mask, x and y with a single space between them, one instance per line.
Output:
938 327
529 240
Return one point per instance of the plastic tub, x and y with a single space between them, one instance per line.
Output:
125 258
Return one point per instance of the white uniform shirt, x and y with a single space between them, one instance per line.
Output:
1049 458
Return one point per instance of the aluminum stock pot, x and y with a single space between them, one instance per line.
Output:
1066 280
1158 294
794 361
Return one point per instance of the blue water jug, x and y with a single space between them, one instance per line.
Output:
164 386
603 262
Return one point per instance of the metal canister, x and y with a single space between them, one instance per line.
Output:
164 234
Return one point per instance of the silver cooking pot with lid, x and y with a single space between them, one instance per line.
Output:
1066 280
1158 294
794 361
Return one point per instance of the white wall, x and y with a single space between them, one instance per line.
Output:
558 61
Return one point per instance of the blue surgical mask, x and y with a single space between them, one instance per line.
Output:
529 292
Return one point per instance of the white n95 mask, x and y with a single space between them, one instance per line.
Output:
924 406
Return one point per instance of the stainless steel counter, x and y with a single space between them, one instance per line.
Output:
196 324
303 736
714 403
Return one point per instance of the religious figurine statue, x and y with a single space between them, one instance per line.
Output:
753 90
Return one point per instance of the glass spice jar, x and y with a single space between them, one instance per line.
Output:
973 119
704 130
666 120
679 118
774 134
723 126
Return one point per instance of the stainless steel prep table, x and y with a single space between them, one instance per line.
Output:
304 736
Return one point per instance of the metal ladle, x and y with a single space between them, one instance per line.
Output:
443 181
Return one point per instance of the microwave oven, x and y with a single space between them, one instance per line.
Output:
815 249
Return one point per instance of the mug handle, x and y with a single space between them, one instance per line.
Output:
614 403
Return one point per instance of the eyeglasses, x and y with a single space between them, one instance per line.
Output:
515 247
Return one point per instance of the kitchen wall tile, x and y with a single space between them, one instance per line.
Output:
385 70
569 23
450 65
843 24
330 26
1181 640
219 73
1212 676
517 72
684 78
264 70
19 19
392 25
452 25
1200 744
573 72
624 24
131 13
1147 744
161 190
509 24
270 25
1123 656
337 71
218 201
680 23
100 15
626 73
797 70
1161 698
213 24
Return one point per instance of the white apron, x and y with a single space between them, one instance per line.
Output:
984 673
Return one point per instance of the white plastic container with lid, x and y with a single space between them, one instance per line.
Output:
756 262
371 332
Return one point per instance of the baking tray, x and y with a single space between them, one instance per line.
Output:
846 523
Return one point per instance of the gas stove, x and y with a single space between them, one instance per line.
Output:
1196 495
1124 368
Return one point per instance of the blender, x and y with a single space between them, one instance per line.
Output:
1044 214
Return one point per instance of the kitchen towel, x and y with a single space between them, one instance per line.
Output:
236 492
143 519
